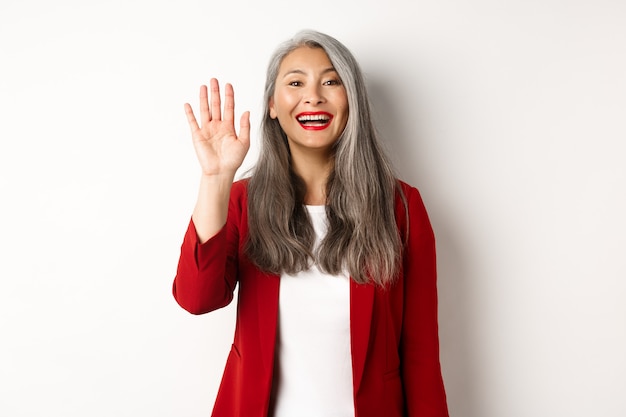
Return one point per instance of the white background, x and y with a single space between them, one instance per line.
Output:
508 115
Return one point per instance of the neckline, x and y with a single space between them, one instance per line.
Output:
315 208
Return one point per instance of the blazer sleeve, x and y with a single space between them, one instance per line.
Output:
207 273
421 370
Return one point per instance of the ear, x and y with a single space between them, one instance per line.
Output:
273 113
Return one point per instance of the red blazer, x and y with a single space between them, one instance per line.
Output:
394 334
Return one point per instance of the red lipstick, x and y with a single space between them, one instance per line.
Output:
318 120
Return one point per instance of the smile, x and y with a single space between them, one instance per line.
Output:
314 120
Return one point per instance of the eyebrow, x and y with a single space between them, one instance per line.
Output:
301 72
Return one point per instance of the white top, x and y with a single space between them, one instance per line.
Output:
313 371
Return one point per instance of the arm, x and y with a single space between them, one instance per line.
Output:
205 279
202 283
423 384
220 153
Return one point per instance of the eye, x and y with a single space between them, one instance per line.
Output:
332 82
295 83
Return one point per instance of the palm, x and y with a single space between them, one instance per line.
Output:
218 147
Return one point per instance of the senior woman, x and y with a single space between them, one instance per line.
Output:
334 257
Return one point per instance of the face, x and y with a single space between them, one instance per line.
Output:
309 100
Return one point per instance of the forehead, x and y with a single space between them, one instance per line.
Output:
305 59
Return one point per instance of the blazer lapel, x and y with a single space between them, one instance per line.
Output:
267 315
361 307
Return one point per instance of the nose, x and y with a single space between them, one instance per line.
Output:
313 94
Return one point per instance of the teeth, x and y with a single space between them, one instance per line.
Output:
313 118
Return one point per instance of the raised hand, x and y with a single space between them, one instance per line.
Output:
219 149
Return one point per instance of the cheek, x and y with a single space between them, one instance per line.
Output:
284 100
342 102
344 121
345 111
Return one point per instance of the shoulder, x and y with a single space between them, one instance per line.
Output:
239 190
410 208
407 197
406 188
238 201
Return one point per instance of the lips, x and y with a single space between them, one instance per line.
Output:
314 120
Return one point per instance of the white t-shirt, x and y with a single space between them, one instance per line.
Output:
313 363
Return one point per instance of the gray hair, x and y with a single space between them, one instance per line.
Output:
361 191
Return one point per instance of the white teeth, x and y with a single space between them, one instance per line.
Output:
314 118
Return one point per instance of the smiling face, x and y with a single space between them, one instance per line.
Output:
309 100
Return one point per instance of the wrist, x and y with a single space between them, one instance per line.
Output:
217 179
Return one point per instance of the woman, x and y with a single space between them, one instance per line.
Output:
334 257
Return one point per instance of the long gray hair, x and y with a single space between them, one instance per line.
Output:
362 236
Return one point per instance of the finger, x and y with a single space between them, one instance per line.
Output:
205 112
216 112
191 118
229 104
244 128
